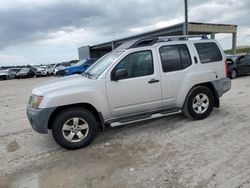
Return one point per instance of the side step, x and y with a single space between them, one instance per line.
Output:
143 117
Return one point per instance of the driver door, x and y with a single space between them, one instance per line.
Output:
140 90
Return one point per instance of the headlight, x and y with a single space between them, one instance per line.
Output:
35 101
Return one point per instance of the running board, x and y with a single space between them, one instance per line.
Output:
143 117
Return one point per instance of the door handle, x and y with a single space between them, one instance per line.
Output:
153 81
195 59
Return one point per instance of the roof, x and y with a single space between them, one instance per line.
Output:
193 28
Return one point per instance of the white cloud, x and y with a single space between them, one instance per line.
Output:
9 60
29 28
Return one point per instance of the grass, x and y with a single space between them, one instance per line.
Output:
238 51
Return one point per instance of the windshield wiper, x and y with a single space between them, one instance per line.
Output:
88 75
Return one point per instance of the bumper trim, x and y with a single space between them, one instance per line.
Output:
39 118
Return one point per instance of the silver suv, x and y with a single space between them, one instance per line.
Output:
140 80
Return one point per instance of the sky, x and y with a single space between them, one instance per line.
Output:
50 31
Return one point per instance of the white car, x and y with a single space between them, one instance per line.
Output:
140 80
7 74
44 70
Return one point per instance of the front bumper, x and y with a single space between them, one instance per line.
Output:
39 118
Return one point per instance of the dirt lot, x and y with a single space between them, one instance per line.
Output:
167 152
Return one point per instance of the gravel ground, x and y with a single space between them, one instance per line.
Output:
166 152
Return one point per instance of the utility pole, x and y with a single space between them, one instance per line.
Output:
186 18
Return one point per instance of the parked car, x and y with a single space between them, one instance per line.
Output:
16 70
44 70
26 73
139 80
238 65
60 66
7 74
39 71
78 68
48 70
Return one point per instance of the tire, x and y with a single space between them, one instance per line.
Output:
73 122
199 103
233 74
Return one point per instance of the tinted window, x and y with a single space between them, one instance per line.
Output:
244 60
248 59
137 64
175 57
208 52
185 56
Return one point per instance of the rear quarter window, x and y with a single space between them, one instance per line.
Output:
208 52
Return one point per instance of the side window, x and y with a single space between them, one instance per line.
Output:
208 52
248 59
242 60
185 56
174 58
137 64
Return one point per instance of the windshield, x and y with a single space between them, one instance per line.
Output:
24 70
102 64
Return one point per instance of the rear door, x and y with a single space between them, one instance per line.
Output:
175 62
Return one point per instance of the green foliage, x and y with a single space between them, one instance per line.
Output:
238 51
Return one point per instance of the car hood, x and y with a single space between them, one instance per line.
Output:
60 84
71 67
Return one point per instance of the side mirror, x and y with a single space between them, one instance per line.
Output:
119 74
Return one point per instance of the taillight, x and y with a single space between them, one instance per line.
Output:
226 68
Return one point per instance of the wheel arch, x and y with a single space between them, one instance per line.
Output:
211 87
91 108
76 72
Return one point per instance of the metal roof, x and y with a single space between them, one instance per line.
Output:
193 28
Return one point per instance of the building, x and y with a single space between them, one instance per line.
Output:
193 28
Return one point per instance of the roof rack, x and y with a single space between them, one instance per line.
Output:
145 42
152 40
180 37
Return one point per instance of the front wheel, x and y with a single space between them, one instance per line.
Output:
74 128
199 103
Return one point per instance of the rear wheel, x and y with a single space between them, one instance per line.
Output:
74 128
199 103
233 74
